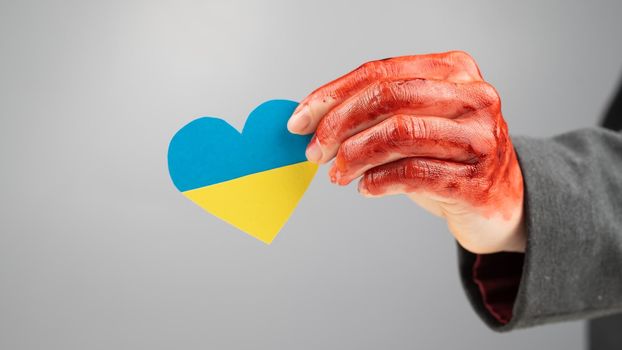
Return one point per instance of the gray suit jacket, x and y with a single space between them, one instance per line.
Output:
572 267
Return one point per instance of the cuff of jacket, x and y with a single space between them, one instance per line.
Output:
558 280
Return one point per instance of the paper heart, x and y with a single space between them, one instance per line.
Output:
252 180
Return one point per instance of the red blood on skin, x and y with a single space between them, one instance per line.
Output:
384 99
492 184
472 162
404 136
455 66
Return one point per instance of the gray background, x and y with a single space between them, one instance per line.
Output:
99 251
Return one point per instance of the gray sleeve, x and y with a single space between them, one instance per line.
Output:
572 267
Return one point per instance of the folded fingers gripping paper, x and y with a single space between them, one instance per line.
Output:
254 179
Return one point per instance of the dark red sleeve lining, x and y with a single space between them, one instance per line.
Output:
498 277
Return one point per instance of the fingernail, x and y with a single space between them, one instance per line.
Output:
334 175
314 152
299 121
337 177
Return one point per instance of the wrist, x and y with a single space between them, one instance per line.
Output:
517 236
491 233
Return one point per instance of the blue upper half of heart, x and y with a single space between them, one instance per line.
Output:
208 150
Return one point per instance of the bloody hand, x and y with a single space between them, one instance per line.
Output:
427 126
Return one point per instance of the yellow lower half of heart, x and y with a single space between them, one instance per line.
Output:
258 204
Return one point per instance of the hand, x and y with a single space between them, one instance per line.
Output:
427 126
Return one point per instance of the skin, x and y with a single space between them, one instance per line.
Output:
429 127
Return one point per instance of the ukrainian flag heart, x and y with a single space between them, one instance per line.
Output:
252 180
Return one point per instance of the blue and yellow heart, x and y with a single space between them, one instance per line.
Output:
253 180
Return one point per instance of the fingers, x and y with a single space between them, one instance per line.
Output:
454 66
378 101
438 179
405 136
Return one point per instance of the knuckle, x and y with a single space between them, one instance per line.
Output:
466 68
488 95
419 128
414 128
380 97
482 139
407 131
372 69
364 68
488 144
462 57
374 92
394 131
387 90
402 129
